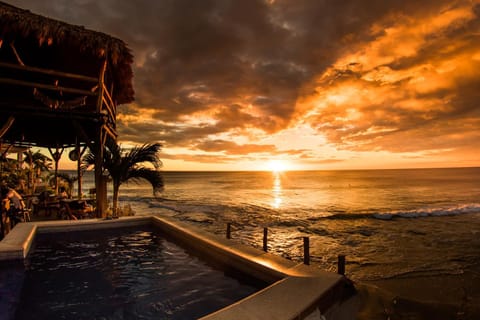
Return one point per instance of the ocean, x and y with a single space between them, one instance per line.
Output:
411 237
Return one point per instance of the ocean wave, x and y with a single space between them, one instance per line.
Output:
410 214
292 217
349 216
431 212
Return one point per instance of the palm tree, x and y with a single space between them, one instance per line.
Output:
37 163
129 165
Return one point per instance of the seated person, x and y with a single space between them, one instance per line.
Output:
16 206
62 193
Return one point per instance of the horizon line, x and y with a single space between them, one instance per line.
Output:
304 170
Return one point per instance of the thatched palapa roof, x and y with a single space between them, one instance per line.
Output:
52 44
60 84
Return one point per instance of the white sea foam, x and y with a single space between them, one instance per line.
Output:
433 212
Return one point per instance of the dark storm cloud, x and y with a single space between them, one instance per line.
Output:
247 63
192 138
237 51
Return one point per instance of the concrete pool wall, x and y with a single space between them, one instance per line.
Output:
295 292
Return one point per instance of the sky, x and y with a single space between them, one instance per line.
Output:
295 84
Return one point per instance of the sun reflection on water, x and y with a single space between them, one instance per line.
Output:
277 190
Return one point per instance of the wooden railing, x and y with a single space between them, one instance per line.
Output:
109 106
46 86
106 107
49 72
341 259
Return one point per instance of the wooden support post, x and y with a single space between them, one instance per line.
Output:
229 230
19 160
341 264
99 145
265 239
101 196
79 151
6 126
56 157
101 87
79 170
306 250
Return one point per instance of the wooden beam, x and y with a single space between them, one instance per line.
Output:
110 109
49 72
6 126
99 178
4 153
46 86
15 52
80 151
110 132
101 86
48 113
109 98
84 135
99 149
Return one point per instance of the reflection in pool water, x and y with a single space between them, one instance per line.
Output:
122 274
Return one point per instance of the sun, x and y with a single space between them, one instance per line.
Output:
277 165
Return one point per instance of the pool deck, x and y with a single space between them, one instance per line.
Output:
296 290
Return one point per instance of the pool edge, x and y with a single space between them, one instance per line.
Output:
296 290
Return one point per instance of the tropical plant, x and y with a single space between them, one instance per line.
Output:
37 163
67 181
8 166
11 175
129 165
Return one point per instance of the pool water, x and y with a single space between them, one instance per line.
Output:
120 274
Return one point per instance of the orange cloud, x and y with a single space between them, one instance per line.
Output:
410 89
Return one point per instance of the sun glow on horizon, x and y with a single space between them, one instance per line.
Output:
277 165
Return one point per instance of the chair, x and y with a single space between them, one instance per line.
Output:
26 211
76 209
47 203
24 214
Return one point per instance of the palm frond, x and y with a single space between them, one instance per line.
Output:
88 161
154 177
128 165
145 153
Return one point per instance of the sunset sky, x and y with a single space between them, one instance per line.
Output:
234 85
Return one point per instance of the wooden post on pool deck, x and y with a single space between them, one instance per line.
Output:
341 264
229 230
265 239
306 250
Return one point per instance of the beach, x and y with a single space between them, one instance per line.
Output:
411 237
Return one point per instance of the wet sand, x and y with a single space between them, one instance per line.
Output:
425 298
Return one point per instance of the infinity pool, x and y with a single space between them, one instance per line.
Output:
116 274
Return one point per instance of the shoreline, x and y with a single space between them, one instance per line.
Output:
439 298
